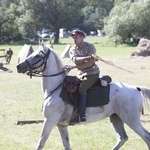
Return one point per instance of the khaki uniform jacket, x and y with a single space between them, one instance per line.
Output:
77 54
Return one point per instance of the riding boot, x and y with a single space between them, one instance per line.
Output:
82 107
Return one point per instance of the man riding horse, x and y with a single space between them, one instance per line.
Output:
88 71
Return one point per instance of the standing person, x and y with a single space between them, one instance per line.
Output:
131 40
9 54
138 38
115 42
88 71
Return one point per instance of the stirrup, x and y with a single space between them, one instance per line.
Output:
76 119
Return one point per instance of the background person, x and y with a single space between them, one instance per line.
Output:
9 54
115 42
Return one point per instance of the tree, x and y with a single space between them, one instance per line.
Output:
95 12
51 14
129 18
115 23
8 28
140 11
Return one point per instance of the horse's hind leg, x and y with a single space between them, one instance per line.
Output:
136 125
119 128
64 136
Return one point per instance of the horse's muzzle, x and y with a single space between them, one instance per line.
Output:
22 67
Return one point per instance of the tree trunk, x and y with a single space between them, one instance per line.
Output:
56 38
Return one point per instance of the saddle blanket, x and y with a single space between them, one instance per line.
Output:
97 95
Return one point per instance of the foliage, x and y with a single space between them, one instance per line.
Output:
23 18
128 19
141 17
29 16
117 2
8 27
95 12
51 14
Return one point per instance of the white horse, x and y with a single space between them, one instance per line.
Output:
125 106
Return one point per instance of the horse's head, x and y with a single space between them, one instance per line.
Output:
34 63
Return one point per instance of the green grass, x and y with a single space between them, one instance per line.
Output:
21 98
104 46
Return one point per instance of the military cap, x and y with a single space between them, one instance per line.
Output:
77 32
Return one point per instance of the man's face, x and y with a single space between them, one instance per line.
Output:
78 39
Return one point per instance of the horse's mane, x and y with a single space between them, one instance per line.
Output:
56 55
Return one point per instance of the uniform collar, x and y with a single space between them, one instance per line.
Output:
81 46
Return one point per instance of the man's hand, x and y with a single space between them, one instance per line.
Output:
88 58
95 57
69 67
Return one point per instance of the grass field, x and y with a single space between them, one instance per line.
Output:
21 98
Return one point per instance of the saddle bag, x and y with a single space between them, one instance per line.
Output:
71 84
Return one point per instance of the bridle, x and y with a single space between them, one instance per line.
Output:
31 69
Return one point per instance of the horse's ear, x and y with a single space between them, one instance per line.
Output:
41 43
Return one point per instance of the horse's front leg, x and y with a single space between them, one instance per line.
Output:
47 127
64 136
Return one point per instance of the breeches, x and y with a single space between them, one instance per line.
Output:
87 83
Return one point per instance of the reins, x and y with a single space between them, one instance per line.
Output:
37 74
31 73
52 91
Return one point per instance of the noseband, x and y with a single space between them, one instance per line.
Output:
31 69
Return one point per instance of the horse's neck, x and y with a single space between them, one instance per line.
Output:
51 83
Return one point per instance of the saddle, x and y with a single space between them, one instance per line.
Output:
97 95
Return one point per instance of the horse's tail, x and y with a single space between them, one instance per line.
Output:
146 98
